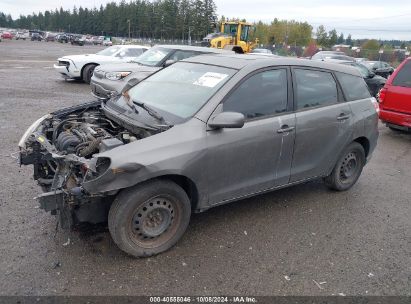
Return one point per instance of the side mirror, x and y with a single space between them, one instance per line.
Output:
131 83
168 63
230 120
371 75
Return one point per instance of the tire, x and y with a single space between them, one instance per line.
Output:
348 168
150 218
88 72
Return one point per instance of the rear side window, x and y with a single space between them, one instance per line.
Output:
314 88
354 87
403 78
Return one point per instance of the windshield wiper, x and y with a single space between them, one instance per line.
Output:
134 61
150 111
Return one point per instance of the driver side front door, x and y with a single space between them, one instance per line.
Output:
258 156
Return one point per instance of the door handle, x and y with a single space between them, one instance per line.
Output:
343 117
285 129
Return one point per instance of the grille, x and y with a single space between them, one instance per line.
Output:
64 63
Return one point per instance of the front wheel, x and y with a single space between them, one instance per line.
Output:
348 168
88 72
149 218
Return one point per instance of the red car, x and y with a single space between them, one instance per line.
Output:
6 35
395 98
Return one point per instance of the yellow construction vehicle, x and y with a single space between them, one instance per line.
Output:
233 36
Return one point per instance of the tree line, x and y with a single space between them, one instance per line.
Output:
174 19
158 19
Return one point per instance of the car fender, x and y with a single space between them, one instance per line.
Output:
180 151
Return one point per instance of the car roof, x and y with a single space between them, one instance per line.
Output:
240 61
194 48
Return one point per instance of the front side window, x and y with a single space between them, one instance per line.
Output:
262 94
244 33
354 87
154 56
230 29
403 78
314 88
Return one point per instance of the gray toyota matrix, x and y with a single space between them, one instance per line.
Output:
203 132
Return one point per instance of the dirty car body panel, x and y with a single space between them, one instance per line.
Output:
86 155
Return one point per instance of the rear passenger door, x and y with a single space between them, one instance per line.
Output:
323 123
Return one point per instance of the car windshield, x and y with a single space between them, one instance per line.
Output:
153 56
181 90
109 51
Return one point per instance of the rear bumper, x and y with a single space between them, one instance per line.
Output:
402 120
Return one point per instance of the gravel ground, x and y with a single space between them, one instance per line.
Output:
304 240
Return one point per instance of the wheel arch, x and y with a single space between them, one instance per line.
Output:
87 64
365 143
187 184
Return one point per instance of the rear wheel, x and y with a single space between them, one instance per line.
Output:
348 168
88 72
150 218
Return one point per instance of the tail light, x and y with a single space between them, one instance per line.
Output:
382 94
376 105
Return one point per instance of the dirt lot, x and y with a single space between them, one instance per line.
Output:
356 243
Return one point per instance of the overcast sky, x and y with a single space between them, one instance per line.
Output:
362 18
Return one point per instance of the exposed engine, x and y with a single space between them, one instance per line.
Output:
88 133
61 145
62 142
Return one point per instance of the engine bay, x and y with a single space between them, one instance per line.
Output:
60 146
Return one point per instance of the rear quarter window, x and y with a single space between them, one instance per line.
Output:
403 78
354 87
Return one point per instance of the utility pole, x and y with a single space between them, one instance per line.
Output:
189 35
69 28
129 33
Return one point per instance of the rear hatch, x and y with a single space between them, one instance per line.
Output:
396 95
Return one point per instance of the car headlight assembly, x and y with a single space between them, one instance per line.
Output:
117 75
31 129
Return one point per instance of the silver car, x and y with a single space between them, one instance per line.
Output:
111 79
203 132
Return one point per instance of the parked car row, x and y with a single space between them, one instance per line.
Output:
82 66
380 68
6 35
184 136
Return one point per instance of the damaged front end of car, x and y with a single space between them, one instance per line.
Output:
64 149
